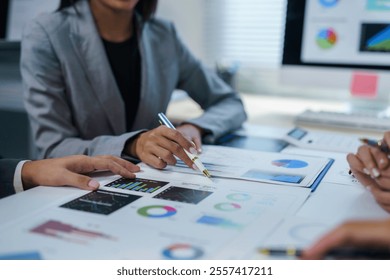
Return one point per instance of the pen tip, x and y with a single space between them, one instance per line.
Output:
207 173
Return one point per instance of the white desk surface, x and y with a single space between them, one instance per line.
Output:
273 114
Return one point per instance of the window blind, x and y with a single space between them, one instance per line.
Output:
249 32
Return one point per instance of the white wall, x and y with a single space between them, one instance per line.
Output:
188 18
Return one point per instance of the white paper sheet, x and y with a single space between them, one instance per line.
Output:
167 224
338 172
275 168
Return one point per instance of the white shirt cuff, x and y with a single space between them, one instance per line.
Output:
18 183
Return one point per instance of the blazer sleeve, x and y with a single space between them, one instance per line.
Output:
223 108
48 107
7 171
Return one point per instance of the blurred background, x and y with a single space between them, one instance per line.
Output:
244 40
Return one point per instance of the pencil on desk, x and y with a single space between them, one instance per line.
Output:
380 144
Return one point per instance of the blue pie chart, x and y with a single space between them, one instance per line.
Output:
328 3
290 163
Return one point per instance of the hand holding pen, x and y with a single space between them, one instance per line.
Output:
192 155
374 156
380 144
160 147
378 157
371 166
338 252
353 240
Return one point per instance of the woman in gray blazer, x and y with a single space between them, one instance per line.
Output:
96 74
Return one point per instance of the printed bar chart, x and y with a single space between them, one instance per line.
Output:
137 184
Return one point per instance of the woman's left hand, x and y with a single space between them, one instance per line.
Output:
192 133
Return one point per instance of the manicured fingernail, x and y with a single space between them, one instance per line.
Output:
193 151
366 171
375 173
93 184
195 167
199 151
382 161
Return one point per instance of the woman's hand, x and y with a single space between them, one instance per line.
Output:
352 234
69 171
371 167
192 133
158 147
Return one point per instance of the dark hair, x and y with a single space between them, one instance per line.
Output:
146 8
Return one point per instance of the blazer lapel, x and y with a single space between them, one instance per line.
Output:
147 110
89 47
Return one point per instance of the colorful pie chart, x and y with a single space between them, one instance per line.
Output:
326 38
156 211
227 206
182 252
238 196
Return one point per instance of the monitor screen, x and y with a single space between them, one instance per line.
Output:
341 44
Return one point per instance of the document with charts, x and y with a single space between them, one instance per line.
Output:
266 167
155 218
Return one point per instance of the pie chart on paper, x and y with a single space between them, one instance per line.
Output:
326 38
328 3
290 163
182 252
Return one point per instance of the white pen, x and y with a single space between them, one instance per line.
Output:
195 159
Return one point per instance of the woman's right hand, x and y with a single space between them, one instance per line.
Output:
158 147
351 234
371 167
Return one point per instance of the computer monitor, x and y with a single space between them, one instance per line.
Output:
339 45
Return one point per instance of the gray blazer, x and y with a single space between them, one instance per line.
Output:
72 99
7 171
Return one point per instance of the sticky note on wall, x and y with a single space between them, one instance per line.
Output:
364 85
